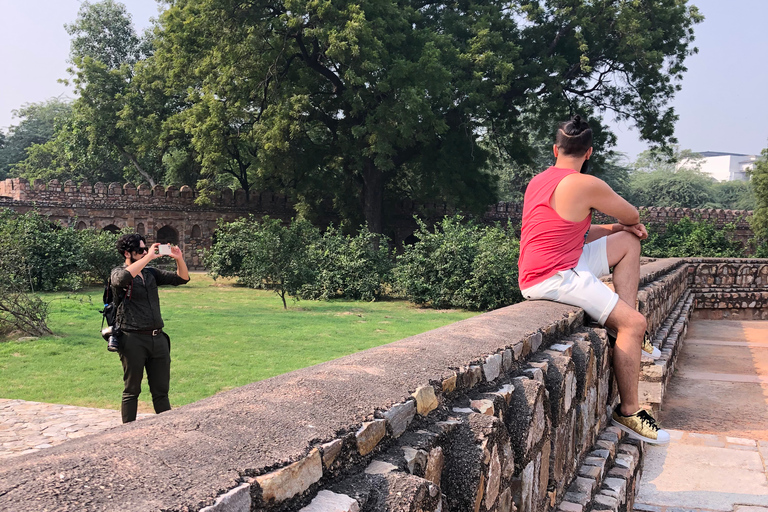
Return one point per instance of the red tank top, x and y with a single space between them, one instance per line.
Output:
548 242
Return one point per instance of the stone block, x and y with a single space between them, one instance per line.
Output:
330 451
620 472
449 383
327 501
492 367
435 463
287 482
505 501
604 502
469 377
593 472
567 506
534 341
494 479
415 460
507 359
399 416
236 500
528 425
483 406
369 435
581 490
426 401
379 467
505 392
616 487
527 501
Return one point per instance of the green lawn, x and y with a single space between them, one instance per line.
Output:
222 336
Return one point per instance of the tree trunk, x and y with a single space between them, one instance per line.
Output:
373 197
135 163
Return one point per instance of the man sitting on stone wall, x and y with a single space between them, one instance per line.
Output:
562 257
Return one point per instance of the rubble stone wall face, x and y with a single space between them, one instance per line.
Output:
729 288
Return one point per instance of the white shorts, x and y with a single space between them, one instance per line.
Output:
581 285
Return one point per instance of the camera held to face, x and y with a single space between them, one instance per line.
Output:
110 334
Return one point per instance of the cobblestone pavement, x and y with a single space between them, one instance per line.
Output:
716 410
27 427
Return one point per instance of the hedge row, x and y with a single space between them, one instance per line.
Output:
454 264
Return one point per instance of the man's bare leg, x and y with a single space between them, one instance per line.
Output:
624 256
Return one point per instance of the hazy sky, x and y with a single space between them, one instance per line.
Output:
723 105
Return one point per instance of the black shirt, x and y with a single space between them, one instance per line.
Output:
140 307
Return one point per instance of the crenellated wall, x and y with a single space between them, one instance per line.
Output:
504 411
147 210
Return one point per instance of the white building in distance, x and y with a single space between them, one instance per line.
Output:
721 166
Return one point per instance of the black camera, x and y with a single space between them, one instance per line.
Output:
110 334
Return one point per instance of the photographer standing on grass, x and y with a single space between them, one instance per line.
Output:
142 341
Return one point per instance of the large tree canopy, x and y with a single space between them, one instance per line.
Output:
37 125
760 185
365 102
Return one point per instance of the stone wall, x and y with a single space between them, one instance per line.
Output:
147 210
505 411
729 288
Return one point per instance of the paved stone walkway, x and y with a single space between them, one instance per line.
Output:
716 409
27 427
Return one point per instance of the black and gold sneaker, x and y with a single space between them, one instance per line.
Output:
640 425
649 349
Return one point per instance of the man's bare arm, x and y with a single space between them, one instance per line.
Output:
597 231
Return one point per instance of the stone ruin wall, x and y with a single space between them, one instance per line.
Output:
146 209
506 411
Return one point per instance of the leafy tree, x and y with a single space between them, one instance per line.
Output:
733 195
37 125
686 238
351 267
264 254
759 179
104 32
684 188
459 264
51 253
361 103
122 99
99 253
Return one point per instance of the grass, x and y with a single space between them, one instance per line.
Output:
222 336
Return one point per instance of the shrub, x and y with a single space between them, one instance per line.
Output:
55 257
351 267
99 253
50 253
459 265
686 238
20 310
264 254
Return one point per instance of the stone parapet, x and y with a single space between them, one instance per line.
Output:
508 410
85 195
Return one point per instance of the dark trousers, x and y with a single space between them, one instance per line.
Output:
139 351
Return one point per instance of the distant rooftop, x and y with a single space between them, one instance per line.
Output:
707 154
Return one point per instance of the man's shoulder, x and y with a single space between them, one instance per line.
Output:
582 181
